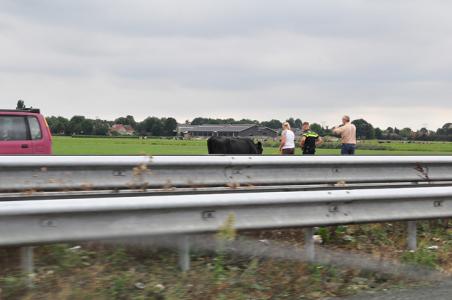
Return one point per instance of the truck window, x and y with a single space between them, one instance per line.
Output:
35 129
13 128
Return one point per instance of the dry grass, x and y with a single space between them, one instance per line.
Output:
108 272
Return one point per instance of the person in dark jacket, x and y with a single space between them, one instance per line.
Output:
309 140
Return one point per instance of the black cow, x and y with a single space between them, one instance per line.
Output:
233 145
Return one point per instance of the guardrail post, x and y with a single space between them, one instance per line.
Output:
309 246
184 253
26 264
412 235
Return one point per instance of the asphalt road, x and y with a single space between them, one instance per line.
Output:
437 292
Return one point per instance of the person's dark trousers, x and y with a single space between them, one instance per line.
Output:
308 152
348 149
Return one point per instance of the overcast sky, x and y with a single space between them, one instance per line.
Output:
387 61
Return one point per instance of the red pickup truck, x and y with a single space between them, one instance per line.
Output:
24 132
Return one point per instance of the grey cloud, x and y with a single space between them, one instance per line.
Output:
259 59
233 17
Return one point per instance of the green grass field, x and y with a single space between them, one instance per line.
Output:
121 146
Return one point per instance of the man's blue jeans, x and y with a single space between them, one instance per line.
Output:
348 149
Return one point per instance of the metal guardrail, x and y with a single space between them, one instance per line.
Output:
49 221
206 204
50 173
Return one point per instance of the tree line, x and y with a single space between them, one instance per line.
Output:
364 129
80 125
274 124
153 126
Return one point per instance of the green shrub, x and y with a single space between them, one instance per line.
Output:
118 259
422 257
121 286
63 256
12 287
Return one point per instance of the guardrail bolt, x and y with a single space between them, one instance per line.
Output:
438 203
333 208
48 223
208 214
119 173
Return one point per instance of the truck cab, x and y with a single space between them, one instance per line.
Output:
24 132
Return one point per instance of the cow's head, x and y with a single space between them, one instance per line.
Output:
259 148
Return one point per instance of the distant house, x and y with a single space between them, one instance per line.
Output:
236 130
120 129
297 131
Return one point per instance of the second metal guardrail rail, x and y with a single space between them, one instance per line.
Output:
51 221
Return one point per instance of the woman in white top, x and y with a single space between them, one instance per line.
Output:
287 146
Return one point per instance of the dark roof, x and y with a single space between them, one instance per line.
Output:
216 128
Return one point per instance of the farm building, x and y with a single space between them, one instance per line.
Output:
237 130
120 129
